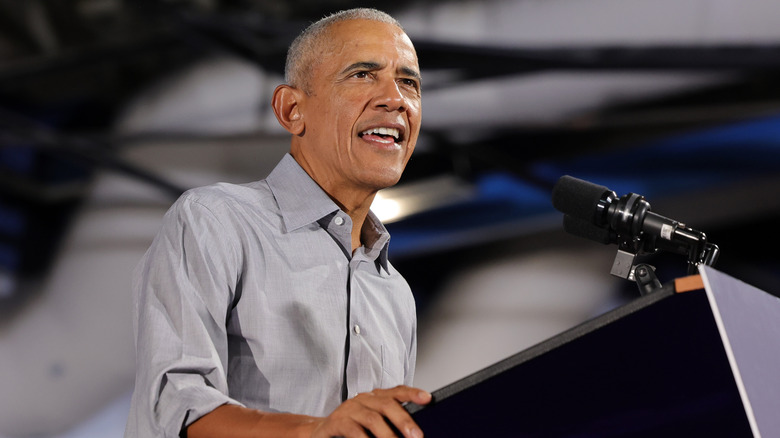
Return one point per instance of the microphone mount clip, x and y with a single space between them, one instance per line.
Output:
638 231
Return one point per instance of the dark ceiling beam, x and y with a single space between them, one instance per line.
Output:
15 27
471 62
441 55
87 55
66 22
17 130
263 43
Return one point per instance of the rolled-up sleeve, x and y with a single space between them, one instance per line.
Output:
184 287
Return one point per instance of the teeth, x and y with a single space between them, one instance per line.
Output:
384 131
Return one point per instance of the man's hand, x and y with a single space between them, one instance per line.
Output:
355 418
367 412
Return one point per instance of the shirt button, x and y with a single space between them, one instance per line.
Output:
339 220
357 329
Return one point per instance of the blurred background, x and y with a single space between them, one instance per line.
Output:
111 108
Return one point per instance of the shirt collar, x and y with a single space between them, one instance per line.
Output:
376 233
302 202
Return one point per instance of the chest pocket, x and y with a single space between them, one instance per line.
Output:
393 366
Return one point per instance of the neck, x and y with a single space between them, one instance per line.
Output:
353 200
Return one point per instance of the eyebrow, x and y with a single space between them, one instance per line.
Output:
412 72
368 65
364 65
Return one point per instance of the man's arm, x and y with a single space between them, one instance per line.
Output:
181 339
352 419
240 422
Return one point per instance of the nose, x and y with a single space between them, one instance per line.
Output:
389 96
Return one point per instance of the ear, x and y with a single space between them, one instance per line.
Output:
286 104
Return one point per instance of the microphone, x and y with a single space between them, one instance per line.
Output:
595 212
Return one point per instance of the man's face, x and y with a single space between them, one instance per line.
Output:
362 114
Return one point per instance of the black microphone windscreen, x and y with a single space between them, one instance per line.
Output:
577 197
586 229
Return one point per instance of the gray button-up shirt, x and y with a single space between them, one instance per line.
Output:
250 295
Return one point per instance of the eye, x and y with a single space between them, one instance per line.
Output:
361 75
410 83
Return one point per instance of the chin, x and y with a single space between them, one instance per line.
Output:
383 178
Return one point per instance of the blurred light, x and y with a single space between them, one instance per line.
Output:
7 284
385 209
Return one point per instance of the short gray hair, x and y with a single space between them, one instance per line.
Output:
301 54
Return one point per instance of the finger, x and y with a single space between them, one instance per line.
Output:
399 418
359 416
422 397
383 402
404 394
375 423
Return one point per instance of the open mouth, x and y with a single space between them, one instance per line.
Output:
383 133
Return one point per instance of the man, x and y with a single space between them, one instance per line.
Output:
270 309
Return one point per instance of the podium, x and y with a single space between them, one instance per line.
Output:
697 358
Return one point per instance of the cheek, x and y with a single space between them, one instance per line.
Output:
343 114
415 120
408 154
415 113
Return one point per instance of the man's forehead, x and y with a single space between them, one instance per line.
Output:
366 44
367 34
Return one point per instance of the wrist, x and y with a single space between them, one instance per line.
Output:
285 425
306 427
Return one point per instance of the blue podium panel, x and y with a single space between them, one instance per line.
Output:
656 367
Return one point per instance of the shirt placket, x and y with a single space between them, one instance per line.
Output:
355 380
359 366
